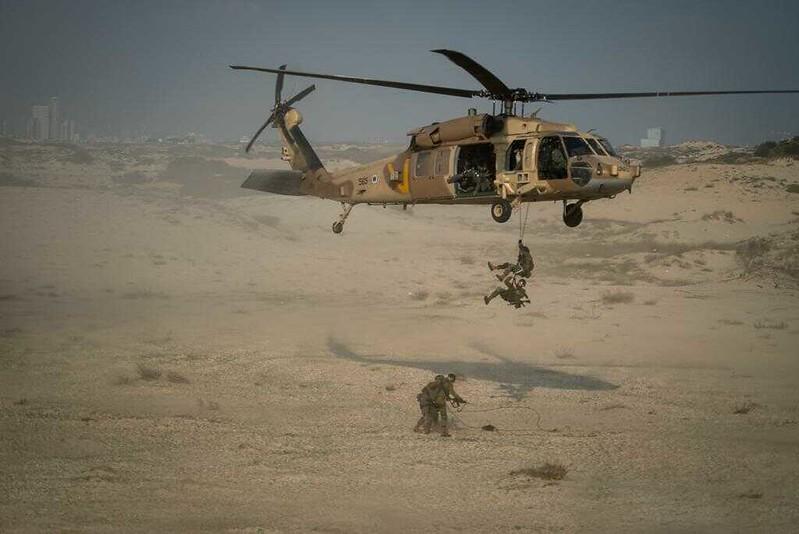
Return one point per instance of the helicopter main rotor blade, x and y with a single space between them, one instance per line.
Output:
260 130
495 86
600 96
450 91
279 85
299 96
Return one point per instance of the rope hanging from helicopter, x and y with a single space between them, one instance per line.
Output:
523 219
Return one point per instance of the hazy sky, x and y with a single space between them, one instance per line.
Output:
161 66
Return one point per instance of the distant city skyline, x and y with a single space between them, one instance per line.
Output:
48 123
159 69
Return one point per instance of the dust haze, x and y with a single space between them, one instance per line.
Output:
179 354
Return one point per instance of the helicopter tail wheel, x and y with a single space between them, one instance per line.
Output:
572 214
501 211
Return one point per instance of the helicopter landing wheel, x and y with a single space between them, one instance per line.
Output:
572 214
501 211
338 226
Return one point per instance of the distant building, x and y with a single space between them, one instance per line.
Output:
55 119
48 123
39 127
654 138
68 133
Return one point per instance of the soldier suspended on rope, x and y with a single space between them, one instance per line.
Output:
523 267
433 403
513 293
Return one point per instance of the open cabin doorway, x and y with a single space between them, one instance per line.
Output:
475 170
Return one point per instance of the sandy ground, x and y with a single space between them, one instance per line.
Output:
289 357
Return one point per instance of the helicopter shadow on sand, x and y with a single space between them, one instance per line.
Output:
515 378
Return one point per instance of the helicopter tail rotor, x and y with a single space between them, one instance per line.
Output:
280 108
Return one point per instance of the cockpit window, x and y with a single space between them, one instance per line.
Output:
575 146
598 149
551 159
608 147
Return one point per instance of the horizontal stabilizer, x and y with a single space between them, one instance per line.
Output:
278 182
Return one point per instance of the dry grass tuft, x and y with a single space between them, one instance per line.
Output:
208 405
613 406
782 325
177 378
617 297
122 380
731 322
564 353
391 387
745 408
546 471
722 216
419 294
148 373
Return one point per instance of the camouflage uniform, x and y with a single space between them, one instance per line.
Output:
523 267
433 403
513 293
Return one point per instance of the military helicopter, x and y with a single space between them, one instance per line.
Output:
501 160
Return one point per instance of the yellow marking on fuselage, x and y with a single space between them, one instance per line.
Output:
406 169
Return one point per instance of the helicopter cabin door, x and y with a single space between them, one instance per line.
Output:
431 168
474 171
517 168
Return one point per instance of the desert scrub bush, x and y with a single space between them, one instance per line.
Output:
564 353
763 150
782 325
80 156
545 471
122 380
721 215
617 297
659 160
752 251
788 148
419 294
176 378
745 408
148 373
9 180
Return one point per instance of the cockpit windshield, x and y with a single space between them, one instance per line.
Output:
608 147
598 149
576 146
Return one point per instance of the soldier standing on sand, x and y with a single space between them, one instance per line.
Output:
433 403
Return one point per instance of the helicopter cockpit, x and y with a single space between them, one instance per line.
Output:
551 159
